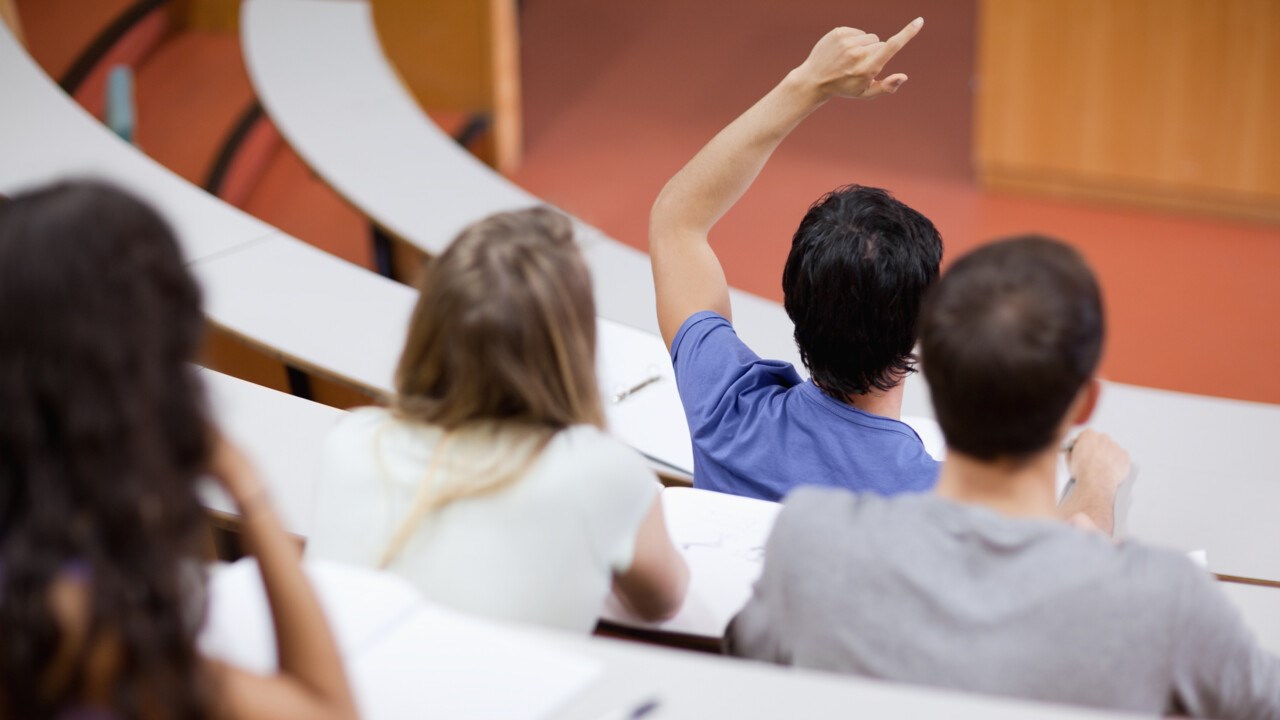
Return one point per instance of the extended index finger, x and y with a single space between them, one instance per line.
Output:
897 42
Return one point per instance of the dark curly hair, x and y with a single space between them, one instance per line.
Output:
103 437
860 264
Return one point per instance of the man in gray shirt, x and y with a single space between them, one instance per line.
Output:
979 586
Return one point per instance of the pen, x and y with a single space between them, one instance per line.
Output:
1070 485
624 394
642 710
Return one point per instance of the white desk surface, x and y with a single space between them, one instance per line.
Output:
695 686
311 307
1207 478
399 651
45 136
320 73
259 283
1260 607
282 436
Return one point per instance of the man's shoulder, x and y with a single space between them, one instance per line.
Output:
708 333
1156 568
698 326
822 511
721 380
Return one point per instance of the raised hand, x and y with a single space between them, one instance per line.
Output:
847 62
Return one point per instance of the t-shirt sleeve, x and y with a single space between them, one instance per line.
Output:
1219 668
618 491
718 375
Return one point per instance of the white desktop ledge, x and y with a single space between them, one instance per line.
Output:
281 435
409 659
46 136
321 75
296 303
1207 479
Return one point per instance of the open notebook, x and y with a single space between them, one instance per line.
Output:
404 657
638 388
722 538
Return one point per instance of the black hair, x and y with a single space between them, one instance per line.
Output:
103 438
860 264
1008 338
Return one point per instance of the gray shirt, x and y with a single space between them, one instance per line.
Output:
920 589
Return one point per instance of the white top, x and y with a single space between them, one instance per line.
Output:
542 550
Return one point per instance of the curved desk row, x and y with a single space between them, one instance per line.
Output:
409 659
1207 481
292 301
281 433
319 71
259 283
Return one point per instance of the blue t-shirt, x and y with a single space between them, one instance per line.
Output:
759 430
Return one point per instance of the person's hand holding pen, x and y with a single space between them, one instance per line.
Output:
1098 467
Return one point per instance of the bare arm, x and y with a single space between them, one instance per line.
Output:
311 682
655 585
1098 466
686 272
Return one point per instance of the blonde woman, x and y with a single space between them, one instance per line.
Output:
489 481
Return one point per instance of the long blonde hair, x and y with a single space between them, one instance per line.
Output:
502 338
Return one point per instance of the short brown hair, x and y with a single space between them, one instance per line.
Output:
1008 337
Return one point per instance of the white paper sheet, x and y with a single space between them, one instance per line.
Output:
722 537
442 664
651 420
360 604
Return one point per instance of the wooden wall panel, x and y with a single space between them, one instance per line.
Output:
9 16
214 15
460 56
1167 102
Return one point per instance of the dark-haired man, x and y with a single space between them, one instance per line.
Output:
859 265
978 586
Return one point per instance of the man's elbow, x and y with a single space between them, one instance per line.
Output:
663 220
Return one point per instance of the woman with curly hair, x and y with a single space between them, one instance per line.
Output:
103 438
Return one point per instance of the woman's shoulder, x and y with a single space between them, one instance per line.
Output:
588 446
370 436
598 466
361 425
363 420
